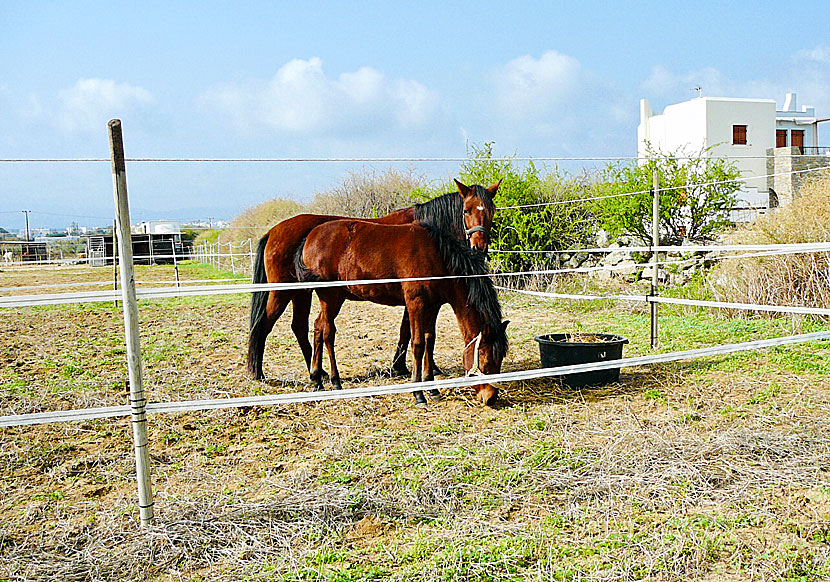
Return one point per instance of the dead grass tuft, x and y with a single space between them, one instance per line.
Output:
802 279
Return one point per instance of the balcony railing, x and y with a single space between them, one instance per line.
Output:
816 150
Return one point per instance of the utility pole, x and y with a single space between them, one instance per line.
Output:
26 212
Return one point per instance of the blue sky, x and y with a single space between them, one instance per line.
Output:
357 79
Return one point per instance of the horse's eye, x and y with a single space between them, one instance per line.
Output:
467 213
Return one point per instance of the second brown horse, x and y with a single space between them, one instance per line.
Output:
436 269
465 214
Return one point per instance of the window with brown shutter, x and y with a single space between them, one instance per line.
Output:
738 135
797 139
780 138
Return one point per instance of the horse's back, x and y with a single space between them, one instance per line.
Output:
355 249
284 239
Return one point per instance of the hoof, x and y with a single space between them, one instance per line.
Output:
336 385
436 371
435 395
318 387
399 372
420 401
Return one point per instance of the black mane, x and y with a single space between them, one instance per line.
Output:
470 263
446 211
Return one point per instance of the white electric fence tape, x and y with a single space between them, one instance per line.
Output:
160 293
274 399
677 301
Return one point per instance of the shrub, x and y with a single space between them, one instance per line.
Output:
255 221
538 227
802 279
696 207
368 194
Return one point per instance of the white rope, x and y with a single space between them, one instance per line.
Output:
765 250
275 399
105 283
791 247
678 301
378 159
668 188
196 290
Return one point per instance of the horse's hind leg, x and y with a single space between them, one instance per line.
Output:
301 302
399 360
275 305
324 332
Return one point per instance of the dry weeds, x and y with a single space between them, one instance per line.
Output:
802 279
694 470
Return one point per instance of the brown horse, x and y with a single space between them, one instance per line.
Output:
344 250
467 213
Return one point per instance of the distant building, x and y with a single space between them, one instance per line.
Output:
157 227
748 131
154 242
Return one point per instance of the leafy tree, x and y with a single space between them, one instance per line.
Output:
696 195
538 225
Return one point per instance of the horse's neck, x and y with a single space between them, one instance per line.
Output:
470 321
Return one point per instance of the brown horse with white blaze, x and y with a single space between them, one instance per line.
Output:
466 214
345 250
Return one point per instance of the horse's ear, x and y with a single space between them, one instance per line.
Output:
465 191
494 187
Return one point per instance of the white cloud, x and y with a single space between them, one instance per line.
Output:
818 55
90 103
805 72
553 103
301 99
664 84
527 87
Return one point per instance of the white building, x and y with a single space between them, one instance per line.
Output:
742 130
157 227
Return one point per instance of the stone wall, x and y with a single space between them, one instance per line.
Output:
783 188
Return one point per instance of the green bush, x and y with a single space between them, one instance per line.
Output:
696 206
546 222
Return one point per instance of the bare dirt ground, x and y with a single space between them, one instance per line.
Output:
713 469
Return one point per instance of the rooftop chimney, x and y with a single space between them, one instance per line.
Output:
790 102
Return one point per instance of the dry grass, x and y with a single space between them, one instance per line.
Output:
368 194
788 279
701 470
256 220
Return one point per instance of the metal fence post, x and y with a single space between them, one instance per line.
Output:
137 399
655 241
251 249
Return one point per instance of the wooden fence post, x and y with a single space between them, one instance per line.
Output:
137 400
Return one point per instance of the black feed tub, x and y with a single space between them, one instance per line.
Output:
558 349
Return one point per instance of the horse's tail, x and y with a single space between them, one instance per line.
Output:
302 272
259 300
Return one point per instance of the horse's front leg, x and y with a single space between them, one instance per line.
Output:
431 318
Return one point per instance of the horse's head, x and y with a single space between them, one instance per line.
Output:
484 355
478 213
